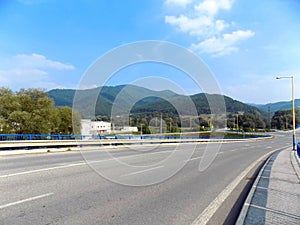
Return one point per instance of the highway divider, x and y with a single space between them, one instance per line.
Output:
34 144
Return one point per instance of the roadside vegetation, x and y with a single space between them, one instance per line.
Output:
283 120
31 111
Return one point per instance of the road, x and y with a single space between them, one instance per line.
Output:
61 188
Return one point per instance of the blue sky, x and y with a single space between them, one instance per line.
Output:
246 44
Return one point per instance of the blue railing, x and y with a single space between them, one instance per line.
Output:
29 137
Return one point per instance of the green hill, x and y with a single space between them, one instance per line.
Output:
273 107
107 96
145 101
200 101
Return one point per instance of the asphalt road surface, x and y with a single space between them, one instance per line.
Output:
61 188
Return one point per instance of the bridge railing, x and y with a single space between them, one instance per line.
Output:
34 141
40 137
30 137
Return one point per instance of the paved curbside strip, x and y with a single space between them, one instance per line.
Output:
295 160
275 195
242 217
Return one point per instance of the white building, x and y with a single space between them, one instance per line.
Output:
89 127
85 127
129 129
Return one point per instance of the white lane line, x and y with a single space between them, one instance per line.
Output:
69 165
79 164
42 170
141 171
212 208
25 200
153 153
232 150
84 163
191 159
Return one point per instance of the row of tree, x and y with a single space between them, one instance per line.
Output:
283 119
242 121
155 122
248 121
31 111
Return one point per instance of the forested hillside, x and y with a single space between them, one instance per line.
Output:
31 111
154 100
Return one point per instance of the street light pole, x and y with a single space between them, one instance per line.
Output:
293 110
294 117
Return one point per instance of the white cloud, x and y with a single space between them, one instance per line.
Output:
202 26
40 61
201 22
20 74
223 45
193 26
212 7
30 71
178 2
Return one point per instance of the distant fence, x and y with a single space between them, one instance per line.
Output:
38 137
30 137
34 141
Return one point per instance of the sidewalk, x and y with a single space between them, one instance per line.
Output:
275 195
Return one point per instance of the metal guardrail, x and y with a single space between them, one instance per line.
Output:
46 143
31 137
35 144
24 137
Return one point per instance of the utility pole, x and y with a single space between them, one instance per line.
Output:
237 122
269 117
160 128
293 109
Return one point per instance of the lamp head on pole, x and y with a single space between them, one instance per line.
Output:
291 77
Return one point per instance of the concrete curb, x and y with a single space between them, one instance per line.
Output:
65 146
211 209
244 211
295 162
36 151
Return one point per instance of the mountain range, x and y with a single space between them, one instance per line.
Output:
147 101
273 107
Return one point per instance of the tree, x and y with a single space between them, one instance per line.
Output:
8 104
68 121
42 115
19 122
32 111
251 121
283 119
